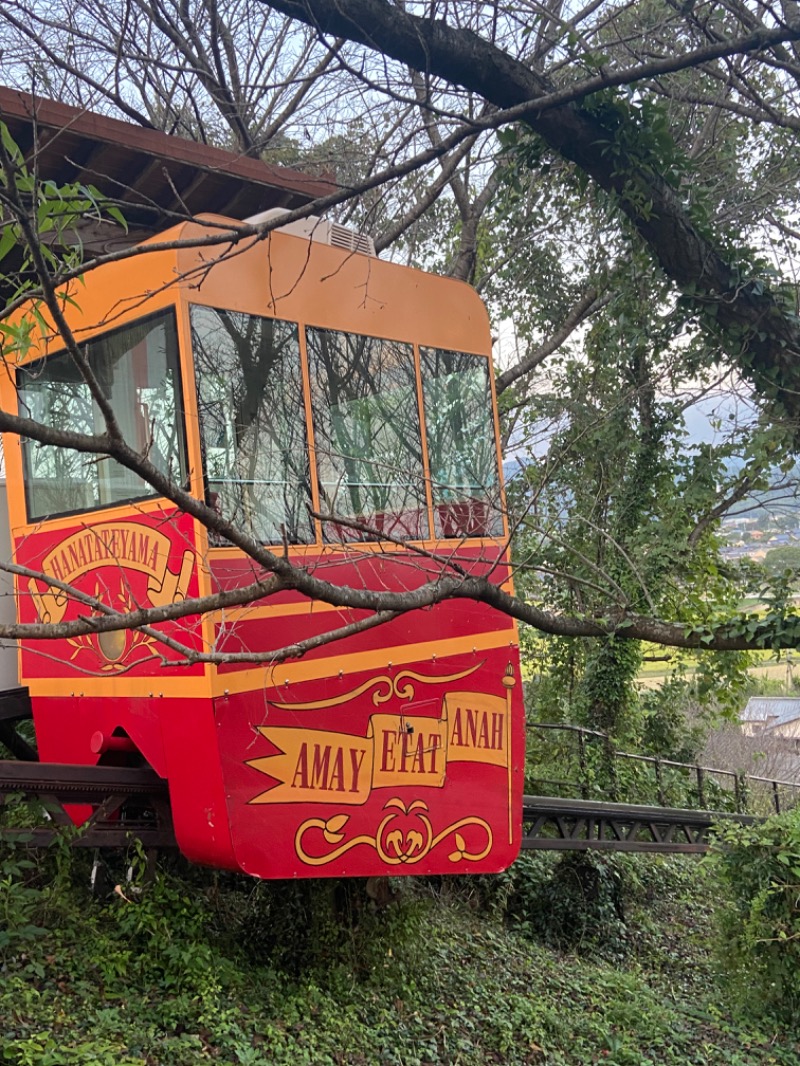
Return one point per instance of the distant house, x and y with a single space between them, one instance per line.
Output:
776 717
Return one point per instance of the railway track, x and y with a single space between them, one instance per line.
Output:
124 803
555 824
121 803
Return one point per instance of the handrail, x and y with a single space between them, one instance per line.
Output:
740 780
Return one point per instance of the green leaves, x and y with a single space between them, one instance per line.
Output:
12 148
209 967
52 215
759 869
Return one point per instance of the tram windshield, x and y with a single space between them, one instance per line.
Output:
253 423
367 435
369 454
390 459
461 444
136 367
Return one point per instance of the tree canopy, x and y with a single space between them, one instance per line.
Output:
618 181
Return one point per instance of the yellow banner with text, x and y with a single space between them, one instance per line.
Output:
322 766
123 545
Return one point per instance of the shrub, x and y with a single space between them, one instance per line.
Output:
758 868
315 925
568 901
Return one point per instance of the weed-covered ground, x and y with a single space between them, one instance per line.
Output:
610 963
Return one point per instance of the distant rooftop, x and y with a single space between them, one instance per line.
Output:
157 179
772 710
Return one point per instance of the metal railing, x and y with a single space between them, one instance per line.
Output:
667 782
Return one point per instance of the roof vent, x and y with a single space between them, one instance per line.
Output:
343 237
319 229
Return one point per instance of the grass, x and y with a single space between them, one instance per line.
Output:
214 969
767 666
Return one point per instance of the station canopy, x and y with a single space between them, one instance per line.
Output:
155 179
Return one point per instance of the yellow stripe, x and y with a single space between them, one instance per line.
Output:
293 673
86 519
119 687
258 677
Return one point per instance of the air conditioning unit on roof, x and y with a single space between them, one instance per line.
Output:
314 228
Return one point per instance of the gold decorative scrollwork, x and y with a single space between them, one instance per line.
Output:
385 687
394 844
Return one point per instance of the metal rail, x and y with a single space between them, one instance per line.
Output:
738 786
556 824
125 803
133 803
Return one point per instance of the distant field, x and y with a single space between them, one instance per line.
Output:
784 669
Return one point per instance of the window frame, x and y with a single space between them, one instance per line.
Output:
319 540
170 311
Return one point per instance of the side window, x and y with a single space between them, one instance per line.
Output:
461 444
367 435
252 423
137 370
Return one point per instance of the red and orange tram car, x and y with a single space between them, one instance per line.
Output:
339 408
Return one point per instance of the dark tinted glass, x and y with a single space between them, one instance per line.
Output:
252 423
137 370
367 435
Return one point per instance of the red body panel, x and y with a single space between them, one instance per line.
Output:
145 559
399 771
400 754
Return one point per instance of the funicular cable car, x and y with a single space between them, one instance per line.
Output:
340 409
